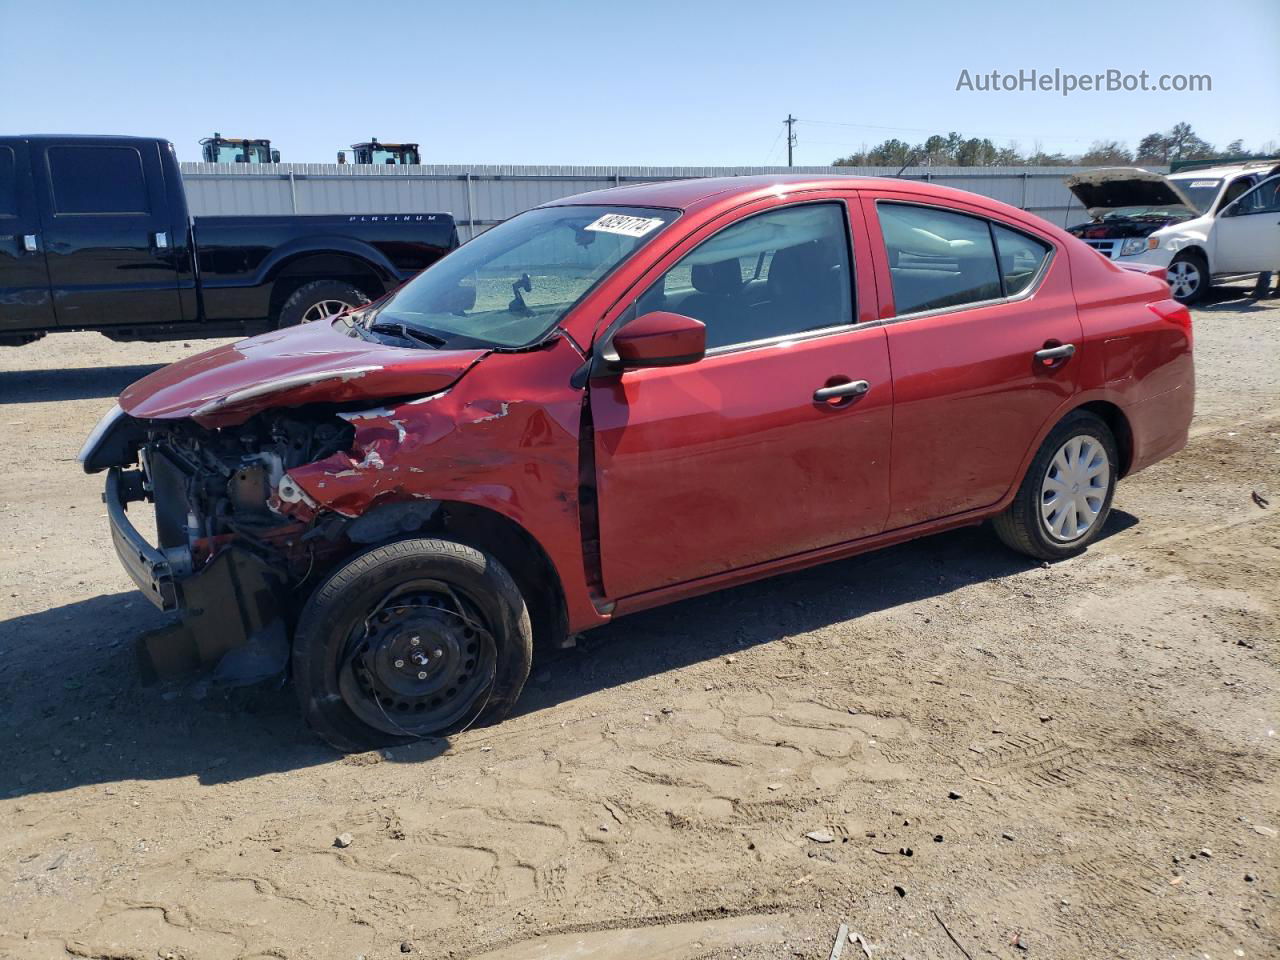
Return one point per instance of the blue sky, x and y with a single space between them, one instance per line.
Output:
657 82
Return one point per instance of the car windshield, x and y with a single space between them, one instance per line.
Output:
1200 192
515 282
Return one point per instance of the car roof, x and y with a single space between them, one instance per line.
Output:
123 138
688 194
1224 171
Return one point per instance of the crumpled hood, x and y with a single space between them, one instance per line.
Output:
1109 188
313 363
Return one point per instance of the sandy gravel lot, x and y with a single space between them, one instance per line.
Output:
1008 760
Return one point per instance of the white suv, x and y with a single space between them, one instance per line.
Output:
1201 225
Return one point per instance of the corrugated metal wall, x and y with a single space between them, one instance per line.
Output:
481 196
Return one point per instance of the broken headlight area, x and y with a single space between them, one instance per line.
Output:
230 555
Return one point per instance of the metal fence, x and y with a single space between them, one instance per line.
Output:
480 196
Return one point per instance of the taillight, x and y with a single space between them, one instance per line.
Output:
1173 312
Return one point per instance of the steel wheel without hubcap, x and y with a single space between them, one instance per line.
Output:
422 661
1184 279
1074 489
324 309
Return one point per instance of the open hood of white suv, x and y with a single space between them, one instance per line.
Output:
1111 188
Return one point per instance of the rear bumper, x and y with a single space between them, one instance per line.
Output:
1161 425
152 569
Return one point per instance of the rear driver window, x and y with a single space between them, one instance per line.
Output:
97 180
937 258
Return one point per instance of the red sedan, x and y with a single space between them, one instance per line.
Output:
621 399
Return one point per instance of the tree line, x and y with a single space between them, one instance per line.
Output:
954 150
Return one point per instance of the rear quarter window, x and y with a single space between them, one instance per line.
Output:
8 183
1021 258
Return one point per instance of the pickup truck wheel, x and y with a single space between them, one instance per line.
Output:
412 639
1065 498
1188 276
317 300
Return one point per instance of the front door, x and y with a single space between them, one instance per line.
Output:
111 259
25 303
1247 234
733 461
984 340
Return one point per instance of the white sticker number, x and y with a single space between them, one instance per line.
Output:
625 225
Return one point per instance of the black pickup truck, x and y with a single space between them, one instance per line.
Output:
95 235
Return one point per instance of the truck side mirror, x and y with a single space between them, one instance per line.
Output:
658 339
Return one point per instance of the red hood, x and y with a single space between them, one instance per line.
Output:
312 363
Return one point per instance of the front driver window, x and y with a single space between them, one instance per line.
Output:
1264 198
782 272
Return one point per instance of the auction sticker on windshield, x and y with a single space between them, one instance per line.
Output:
625 225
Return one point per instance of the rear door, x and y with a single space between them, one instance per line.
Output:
733 461
970 307
1246 235
25 303
110 254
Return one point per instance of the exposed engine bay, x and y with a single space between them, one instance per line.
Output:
225 539
211 485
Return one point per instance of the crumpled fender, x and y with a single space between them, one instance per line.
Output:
517 457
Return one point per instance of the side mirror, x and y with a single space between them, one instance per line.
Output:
658 339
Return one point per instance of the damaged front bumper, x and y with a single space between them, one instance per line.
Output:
152 569
233 609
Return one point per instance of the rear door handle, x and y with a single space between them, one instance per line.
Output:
1056 353
29 243
854 388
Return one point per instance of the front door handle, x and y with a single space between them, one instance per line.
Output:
1056 353
29 243
854 388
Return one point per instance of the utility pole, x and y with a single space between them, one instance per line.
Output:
791 137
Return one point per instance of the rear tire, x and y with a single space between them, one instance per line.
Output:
1188 276
1065 498
319 299
412 639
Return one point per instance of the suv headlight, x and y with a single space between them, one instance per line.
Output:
1133 245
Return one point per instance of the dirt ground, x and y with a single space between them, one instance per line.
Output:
994 758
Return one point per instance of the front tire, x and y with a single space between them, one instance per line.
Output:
1188 276
319 300
1065 498
413 639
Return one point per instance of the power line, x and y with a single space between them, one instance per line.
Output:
996 136
769 156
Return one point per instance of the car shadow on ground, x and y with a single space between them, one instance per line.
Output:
73 709
1235 298
70 383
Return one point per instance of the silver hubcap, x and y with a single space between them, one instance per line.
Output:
323 309
1074 488
1184 278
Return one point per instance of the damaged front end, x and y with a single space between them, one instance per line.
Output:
226 554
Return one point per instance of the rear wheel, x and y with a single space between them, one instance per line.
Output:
319 300
1188 276
1065 498
418 638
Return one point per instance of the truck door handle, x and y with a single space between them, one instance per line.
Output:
1056 353
29 243
162 241
854 388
